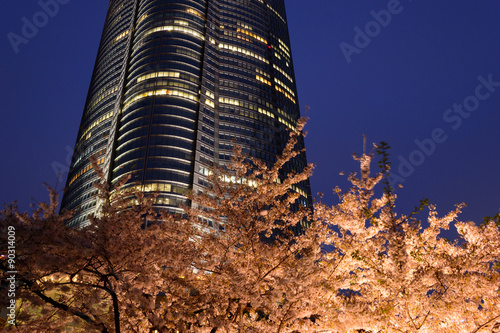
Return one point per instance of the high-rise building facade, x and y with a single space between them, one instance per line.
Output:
175 84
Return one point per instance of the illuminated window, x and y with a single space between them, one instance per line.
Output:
287 95
97 122
244 51
158 74
261 79
195 12
282 72
161 92
248 33
284 86
185 30
123 34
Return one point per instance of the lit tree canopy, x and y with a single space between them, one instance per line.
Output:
246 257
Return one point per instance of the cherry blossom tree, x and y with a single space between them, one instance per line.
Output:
247 257
397 273
136 269
259 267
107 277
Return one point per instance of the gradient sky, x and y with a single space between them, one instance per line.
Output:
398 84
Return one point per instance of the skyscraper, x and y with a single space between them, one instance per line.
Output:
175 84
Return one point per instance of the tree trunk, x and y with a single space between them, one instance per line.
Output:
116 310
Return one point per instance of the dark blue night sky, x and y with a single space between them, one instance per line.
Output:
423 76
